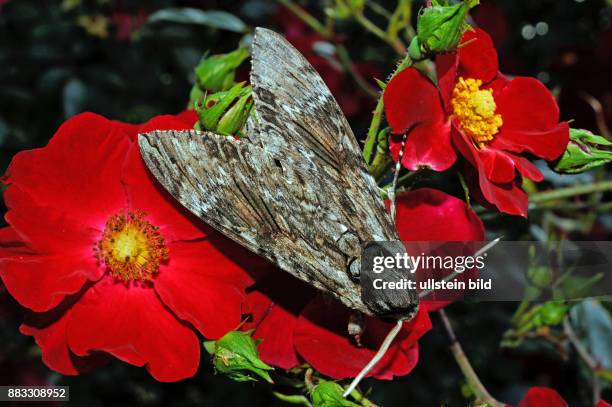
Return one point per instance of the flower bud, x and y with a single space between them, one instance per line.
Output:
584 151
225 112
440 28
329 394
217 72
235 355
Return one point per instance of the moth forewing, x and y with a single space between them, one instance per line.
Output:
297 192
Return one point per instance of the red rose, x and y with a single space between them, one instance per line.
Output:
542 397
478 112
107 261
297 323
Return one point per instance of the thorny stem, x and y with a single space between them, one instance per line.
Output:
341 51
482 395
378 113
586 357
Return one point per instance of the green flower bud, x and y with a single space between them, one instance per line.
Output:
329 394
217 72
551 313
440 28
235 355
225 112
585 151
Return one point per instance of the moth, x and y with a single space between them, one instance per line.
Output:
296 190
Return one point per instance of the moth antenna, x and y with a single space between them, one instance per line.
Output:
398 167
384 347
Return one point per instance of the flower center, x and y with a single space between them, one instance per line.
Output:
475 110
131 247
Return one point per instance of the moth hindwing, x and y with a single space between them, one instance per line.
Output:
296 191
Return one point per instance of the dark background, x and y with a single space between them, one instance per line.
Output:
54 63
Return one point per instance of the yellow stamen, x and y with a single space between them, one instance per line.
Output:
131 247
474 108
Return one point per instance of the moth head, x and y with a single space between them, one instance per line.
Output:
387 281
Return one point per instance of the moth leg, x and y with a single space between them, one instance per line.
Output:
356 327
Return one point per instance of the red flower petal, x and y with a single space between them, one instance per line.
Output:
411 99
132 324
49 331
507 196
185 121
497 165
441 217
78 171
603 403
146 194
321 338
527 168
428 146
531 120
59 257
190 117
196 286
477 56
446 71
542 397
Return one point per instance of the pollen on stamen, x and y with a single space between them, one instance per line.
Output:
474 108
131 248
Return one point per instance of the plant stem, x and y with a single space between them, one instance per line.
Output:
347 64
397 45
306 17
341 51
401 181
378 113
586 357
569 192
482 395
373 131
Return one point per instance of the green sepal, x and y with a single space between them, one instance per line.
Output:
235 355
329 394
584 151
440 28
225 112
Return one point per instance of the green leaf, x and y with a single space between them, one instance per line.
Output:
235 355
211 18
217 72
329 394
584 151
